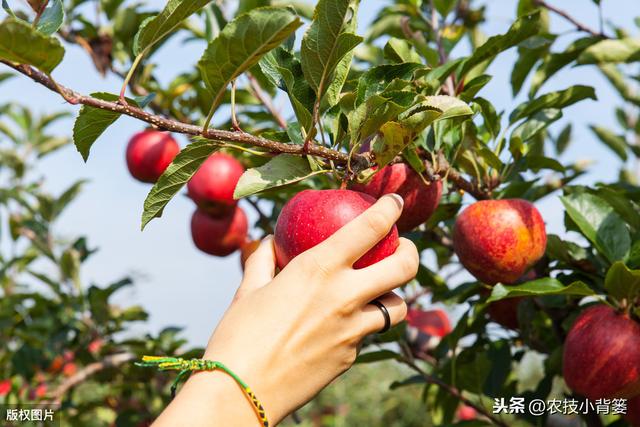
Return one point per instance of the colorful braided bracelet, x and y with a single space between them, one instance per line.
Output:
187 366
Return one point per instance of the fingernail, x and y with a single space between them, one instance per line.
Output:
398 199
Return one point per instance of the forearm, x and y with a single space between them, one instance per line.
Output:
209 399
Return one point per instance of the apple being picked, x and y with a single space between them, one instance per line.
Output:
212 186
219 236
149 153
601 354
499 240
420 199
311 216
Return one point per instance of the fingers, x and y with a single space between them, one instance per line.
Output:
389 273
353 240
260 267
371 318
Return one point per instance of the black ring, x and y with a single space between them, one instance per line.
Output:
385 313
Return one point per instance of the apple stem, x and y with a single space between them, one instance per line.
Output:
234 119
128 77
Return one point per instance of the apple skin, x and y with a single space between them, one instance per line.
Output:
505 312
211 187
420 199
311 216
499 240
431 322
601 358
149 153
633 411
219 236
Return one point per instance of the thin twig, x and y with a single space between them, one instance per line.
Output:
580 26
82 375
266 101
430 379
234 118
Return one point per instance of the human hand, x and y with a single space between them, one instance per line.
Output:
290 335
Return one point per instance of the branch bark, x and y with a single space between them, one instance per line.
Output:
89 370
580 26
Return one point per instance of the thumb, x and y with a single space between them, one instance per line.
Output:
259 269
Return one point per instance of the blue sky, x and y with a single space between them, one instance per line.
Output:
179 285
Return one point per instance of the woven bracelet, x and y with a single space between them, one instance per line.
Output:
186 366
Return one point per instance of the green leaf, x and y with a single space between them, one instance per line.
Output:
376 79
622 283
155 29
563 139
622 50
281 170
525 27
377 110
399 51
538 122
377 356
285 71
539 287
599 223
241 44
616 143
92 122
490 116
558 99
328 40
21 43
473 86
536 163
52 18
7 9
395 138
554 62
179 172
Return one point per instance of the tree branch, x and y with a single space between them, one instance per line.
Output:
580 26
164 123
83 374
358 161
266 101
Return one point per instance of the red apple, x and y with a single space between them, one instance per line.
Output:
633 411
69 369
311 216
466 413
212 186
505 312
149 153
601 357
219 236
420 199
499 240
5 387
95 346
431 322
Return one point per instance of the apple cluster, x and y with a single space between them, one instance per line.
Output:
218 226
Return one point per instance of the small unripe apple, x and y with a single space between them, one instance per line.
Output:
499 240
601 358
420 199
633 411
431 322
212 186
219 236
466 413
149 153
247 249
5 387
311 216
